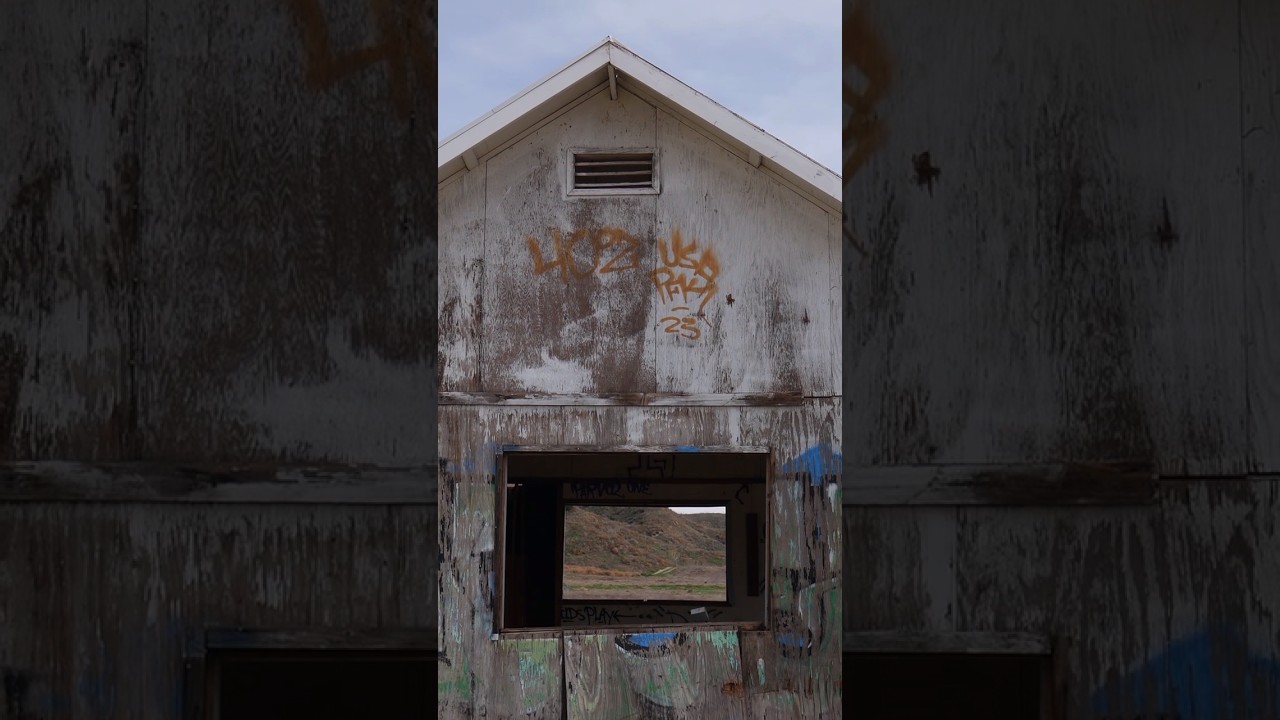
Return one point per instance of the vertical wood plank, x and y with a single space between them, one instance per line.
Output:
72 107
907 554
1260 156
1050 280
288 310
681 675
462 299
565 277
771 254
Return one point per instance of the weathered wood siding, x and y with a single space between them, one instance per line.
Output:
1158 611
550 295
217 261
1068 284
1076 282
218 235
791 665
100 601
557 329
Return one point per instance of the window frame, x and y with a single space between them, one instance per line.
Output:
499 629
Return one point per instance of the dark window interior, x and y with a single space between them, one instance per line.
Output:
927 686
323 685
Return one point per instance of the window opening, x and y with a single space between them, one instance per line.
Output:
650 553
624 538
320 684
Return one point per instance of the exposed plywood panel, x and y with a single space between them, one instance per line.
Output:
1037 274
750 262
461 303
567 295
677 675
96 596
802 645
287 303
1166 610
71 105
1260 155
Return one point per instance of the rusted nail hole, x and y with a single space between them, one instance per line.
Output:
729 298
805 319
926 173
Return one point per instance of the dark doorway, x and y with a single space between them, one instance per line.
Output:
322 685
926 686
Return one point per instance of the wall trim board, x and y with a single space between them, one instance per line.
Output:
969 643
58 481
774 399
320 639
1101 483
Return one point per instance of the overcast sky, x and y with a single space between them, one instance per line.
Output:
777 64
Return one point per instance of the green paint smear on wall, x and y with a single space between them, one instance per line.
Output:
726 641
535 658
459 686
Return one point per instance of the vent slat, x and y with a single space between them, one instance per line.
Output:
604 171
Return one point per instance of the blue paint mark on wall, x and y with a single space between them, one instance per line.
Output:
688 448
488 462
1193 679
649 640
791 639
818 462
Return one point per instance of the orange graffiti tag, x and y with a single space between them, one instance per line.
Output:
611 250
864 50
685 275
402 43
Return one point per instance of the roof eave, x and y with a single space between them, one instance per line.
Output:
532 104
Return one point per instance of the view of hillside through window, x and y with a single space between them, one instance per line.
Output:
616 552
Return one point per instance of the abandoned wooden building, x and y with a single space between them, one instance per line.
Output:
217 360
638 310
1062 347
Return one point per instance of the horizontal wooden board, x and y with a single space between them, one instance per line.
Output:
53 481
626 399
320 639
1050 484
975 643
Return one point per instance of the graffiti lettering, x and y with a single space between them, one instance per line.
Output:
608 249
601 615
591 614
863 49
404 43
685 273
684 276
609 488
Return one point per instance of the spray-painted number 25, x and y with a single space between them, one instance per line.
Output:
686 326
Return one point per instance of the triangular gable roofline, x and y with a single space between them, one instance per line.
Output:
611 62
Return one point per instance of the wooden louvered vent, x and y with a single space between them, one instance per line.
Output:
612 172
